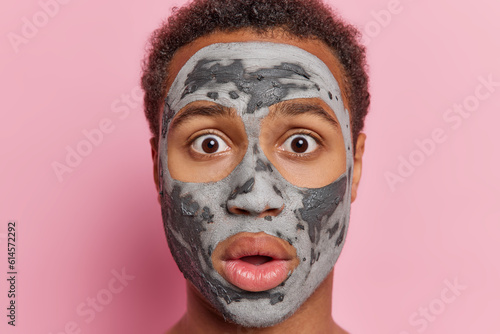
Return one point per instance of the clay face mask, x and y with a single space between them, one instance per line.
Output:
304 235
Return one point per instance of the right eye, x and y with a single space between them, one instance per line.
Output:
209 144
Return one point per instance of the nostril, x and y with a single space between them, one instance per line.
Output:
271 212
238 211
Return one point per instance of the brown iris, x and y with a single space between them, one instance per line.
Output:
210 145
299 145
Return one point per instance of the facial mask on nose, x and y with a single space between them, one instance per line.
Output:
250 77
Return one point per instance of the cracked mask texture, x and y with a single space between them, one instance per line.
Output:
250 77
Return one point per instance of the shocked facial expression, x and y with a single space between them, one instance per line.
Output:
255 169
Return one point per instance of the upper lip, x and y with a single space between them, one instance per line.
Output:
252 244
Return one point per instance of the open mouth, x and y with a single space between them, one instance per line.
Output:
254 261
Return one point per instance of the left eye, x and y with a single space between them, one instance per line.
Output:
300 143
209 144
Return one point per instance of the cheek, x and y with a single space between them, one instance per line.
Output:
182 217
320 204
197 213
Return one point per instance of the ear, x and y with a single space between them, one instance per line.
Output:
154 154
358 162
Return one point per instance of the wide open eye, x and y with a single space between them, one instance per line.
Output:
300 144
209 144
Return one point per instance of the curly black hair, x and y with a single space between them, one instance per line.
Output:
301 18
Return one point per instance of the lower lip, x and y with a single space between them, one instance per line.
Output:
255 278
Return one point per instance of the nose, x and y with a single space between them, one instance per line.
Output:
256 197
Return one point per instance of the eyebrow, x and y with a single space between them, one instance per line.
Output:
193 111
295 109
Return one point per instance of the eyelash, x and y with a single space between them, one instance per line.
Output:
308 133
191 139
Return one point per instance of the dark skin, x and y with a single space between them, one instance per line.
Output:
315 314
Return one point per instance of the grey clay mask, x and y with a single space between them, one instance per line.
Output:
250 77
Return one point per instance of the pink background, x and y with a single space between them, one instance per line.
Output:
440 225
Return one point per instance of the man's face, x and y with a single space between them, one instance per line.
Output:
255 172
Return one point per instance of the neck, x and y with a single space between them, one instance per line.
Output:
314 316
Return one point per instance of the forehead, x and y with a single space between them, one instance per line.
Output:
312 46
253 75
